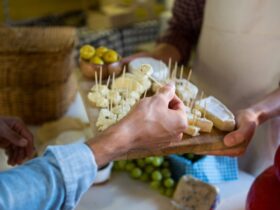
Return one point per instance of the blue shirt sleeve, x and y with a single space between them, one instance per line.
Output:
57 180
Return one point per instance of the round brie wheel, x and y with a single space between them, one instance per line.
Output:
160 73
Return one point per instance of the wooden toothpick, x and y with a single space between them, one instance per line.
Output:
108 81
96 80
113 82
154 80
174 73
145 93
205 107
189 75
100 75
169 64
181 72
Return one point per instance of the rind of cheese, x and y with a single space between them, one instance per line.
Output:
192 130
204 124
160 73
217 112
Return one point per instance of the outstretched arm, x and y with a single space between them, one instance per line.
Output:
249 119
59 178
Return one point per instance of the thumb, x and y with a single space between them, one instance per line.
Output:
243 133
168 91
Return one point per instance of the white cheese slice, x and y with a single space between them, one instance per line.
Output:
217 112
160 73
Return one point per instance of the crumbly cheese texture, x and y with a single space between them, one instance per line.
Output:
114 96
186 90
193 194
105 119
97 100
217 112
102 89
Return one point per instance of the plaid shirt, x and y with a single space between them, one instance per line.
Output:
185 25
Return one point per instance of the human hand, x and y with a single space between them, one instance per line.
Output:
155 122
16 140
247 122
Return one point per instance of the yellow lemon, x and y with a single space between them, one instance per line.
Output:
100 51
96 60
87 52
110 56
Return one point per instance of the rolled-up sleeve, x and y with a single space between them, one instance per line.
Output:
57 180
184 27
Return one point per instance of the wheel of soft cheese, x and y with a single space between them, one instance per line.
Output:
161 71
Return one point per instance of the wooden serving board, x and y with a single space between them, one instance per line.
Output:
202 144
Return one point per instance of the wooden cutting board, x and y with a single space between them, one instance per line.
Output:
202 144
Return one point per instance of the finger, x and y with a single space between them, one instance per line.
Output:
22 129
176 103
167 92
21 156
178 121
13 136
13 156
243 133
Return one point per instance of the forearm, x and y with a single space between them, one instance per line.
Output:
267 108
111 143
184 28
55 181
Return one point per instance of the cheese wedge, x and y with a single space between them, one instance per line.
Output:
192 130
217 112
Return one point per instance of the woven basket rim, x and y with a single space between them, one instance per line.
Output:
37 39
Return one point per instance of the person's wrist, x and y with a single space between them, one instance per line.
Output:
112 143
258 114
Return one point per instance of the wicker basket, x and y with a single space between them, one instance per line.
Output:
35 56
35 72
37 105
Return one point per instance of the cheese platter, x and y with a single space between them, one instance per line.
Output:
109 100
